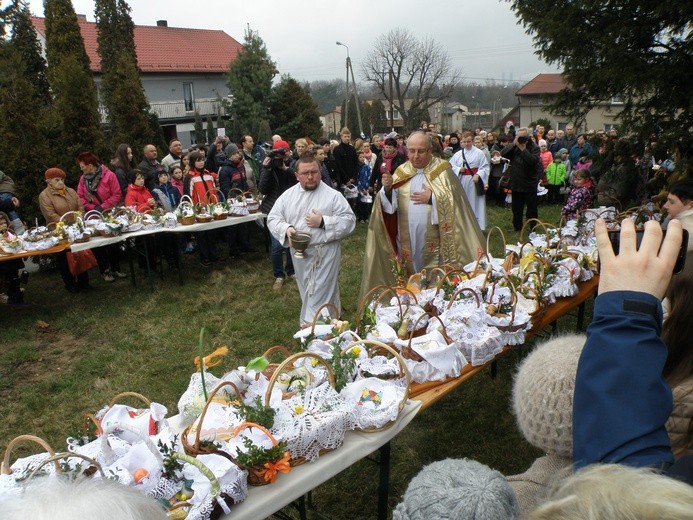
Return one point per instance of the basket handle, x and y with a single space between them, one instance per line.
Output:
444 331
403 370
206 406
76 217
142 398
277 348
488 241
238 429
90 417
460 291
317 314
215 192
5 468
537 223
108 451
216 488
93 215
289 362
67 455
367 298
237 191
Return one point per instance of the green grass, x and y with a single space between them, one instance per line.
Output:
119 338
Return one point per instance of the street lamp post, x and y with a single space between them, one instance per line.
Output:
356 95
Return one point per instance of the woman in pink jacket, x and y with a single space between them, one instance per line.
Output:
99 189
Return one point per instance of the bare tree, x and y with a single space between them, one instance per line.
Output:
421 71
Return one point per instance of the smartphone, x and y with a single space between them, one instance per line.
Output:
615 237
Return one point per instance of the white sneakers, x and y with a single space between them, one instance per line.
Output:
278 282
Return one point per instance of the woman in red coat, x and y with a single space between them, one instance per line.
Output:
98 189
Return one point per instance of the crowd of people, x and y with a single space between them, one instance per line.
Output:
424 201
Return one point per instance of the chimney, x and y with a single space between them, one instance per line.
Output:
82 17
162 23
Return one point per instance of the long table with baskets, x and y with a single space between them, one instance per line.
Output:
205 226
264 501
431 392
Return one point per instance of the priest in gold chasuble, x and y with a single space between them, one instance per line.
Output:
420 216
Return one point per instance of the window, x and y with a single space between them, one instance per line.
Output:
387 115
562 125
193 139
188 97
610 126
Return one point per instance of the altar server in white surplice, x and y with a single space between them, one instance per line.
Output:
471 167
311 206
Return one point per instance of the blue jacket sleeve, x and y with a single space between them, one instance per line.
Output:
621 401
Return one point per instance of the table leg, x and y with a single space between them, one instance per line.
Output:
129 244
150 276
181 278
384 483
494 369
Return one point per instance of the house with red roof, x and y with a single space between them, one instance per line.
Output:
183 71
532 106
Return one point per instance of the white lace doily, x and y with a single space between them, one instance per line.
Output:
375 402
314 420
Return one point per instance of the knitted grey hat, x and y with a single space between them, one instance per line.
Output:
457 489
543 394
230 149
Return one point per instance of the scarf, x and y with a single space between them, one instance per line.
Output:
387 159
91 181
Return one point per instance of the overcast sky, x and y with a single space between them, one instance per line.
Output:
483 37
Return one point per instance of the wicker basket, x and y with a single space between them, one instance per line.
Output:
258 475
5 466
198 447
409 352
297 460
373 346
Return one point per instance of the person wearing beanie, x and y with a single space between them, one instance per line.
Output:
543 406
545 155
457 490
454 142
54 202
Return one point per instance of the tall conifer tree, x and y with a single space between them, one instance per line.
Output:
23 112
74 93
250 83
122 93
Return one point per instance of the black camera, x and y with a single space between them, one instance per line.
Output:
522 139
615 237
279 152
277 157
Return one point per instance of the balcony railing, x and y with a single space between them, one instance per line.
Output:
179 109
176 110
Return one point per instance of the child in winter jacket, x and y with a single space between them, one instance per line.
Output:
555 175
581 196
363 209
167 195
138 195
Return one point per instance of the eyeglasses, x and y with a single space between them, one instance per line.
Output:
309 174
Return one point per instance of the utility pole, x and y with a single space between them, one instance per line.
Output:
392 106
356 95
346 99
